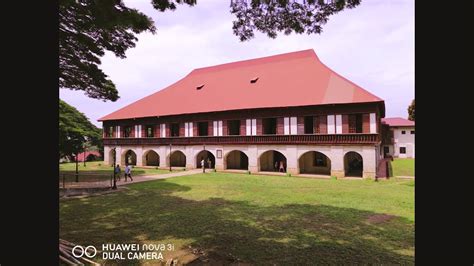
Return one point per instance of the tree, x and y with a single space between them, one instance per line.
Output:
411 111
75 130
87 28
287 16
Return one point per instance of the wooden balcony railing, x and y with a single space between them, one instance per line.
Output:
262 139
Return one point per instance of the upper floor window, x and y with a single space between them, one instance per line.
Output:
308 124
412 132
269 126
403 132
233 126
251 127
290 125
373 123
127 131
110 132
338 124
331 124
203 128
355 123
149 131
174 128
163 130
403 150
218 128
188 129
321 124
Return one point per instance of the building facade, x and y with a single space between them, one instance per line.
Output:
400 137
283 113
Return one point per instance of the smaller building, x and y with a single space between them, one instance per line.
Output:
88 156
399 138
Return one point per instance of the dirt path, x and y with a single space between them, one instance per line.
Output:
136 179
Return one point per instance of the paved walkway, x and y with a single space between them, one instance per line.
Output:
136 179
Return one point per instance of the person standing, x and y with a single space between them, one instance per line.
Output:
202 164
282 167
209 163
117 171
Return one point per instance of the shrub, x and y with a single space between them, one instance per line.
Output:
99 164
248 172
288 174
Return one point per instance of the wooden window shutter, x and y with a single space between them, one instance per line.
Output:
365 123
345 124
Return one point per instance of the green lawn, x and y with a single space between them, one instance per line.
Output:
254 219
403 167
95 171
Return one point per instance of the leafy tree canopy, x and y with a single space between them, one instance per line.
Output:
87 28
287 16
411 111
75 130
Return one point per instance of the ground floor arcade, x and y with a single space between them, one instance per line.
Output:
335 160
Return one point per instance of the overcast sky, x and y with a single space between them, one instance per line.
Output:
372 45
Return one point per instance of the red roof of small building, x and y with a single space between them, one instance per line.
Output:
398 122
285 80
81 155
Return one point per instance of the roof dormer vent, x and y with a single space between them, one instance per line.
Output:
254 80
199 87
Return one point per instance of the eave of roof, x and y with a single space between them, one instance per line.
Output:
398 122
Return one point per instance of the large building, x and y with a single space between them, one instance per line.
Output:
288 110
400 137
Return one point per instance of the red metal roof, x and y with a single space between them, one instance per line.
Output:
398 122
291 79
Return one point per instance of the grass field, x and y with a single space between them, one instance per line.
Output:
254 219
96 171
403 167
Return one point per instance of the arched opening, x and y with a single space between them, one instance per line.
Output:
91 157
272 161
237 160
208 157
353 164
316 163
177 159
111 157
129 157
151 158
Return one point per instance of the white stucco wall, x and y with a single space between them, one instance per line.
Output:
406 140
292 153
